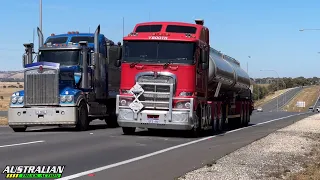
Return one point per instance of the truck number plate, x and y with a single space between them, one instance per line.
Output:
153 118
41 112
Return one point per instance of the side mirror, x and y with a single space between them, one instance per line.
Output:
119 55
204 59
117 63
203 56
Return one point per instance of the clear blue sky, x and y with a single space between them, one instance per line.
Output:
268 31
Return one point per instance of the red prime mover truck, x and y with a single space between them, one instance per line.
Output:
172 79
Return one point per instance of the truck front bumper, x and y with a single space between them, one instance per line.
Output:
36 116
181 120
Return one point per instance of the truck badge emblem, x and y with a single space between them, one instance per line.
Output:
40 69
155 73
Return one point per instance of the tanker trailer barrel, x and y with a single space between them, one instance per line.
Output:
227 71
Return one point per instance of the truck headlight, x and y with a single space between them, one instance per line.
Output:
125 101
183 105
63 98
69 98
20 100
14 100
66 98
185 94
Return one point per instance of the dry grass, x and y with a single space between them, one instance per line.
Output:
3 121
312 170
5 93
263 85
269 97
309 95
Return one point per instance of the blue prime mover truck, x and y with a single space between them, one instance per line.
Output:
73 82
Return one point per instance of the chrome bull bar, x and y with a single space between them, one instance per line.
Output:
136 92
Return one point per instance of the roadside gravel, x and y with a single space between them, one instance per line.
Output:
277 156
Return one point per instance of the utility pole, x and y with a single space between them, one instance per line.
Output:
248 65
278 96
258 85
122 27
40 14
247 68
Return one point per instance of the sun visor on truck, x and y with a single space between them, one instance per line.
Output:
148 28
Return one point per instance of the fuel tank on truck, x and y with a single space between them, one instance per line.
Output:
226 70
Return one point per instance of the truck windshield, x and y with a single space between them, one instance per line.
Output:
159 51
64 57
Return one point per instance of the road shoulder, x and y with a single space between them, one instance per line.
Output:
187 157
291 152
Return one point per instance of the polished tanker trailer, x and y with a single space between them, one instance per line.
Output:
172 79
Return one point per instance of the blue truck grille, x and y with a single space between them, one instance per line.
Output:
41 88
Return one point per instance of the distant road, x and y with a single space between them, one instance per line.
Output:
3 113
283 99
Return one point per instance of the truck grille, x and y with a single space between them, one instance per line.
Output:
41 88
153 92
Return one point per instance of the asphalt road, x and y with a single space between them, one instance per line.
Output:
271 106
3 113
136 157
282 100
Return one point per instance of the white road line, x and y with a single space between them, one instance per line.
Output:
19 144
163 150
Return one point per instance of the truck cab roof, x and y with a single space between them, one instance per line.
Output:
75 38
167 30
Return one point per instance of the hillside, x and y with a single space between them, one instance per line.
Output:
11 75
308 95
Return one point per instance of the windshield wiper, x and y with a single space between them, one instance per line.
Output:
179 59
170 62
142 57
167 63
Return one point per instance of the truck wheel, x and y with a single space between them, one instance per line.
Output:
82 122
243 116
112 120
196 131
214 120
220 119
247 120
128 130
19 129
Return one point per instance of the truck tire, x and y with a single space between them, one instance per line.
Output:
128 130
19 129
243 116
220 118
112 120
214 120
83 120
195 132
247 119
